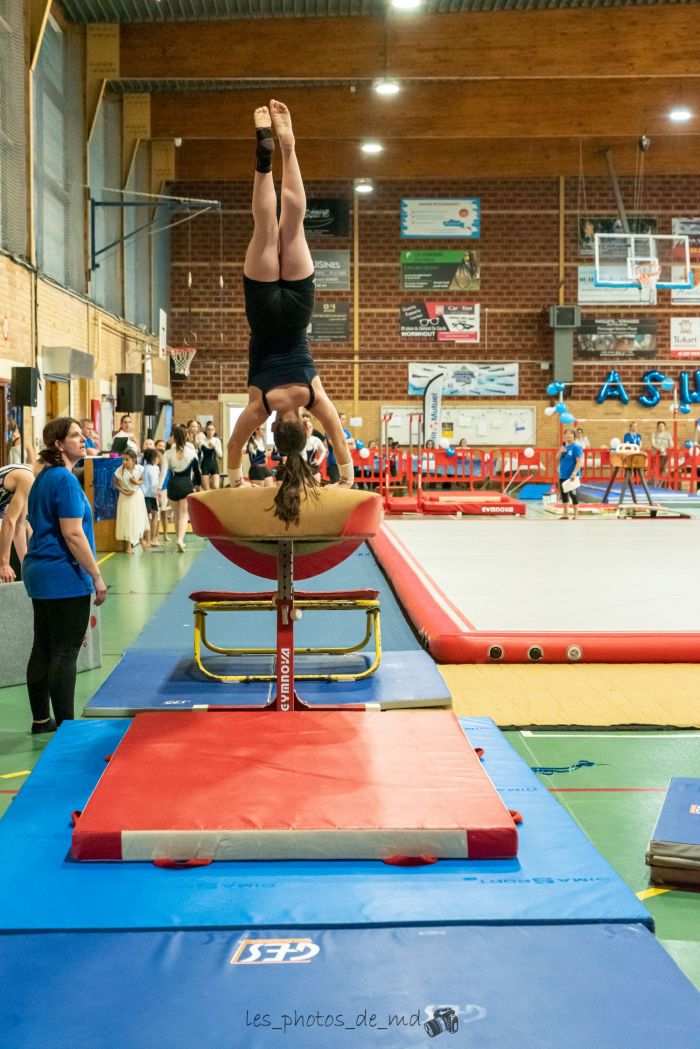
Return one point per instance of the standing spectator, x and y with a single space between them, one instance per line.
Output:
132 525
151 487
92 441
633 436
570 458
315 450
259 473
162 496
194 433
124 438
332 463
15 456
661 441
15 482
182 461
210 451
60 573
581 440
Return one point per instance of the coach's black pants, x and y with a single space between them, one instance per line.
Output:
59 628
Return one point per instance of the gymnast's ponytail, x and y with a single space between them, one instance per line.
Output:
295 474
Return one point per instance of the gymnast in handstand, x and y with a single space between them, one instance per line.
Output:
278 280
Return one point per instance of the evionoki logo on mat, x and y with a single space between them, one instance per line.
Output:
275 952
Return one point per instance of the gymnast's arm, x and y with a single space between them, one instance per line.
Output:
325 412
252 416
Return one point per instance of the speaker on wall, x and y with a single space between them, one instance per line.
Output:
25 387
151 403
130 392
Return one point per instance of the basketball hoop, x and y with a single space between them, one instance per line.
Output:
648 273
181 357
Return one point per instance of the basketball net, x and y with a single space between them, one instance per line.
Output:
648 273
181 357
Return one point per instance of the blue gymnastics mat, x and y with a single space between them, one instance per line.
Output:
149 680
171 628
558 876
530 987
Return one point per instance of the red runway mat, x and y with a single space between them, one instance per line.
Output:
308 785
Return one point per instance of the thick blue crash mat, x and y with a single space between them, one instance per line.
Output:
558 876
674 850
495 987
150 680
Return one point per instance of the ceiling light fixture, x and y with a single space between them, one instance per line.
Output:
680 115
406 5
364 185
386 86
372 147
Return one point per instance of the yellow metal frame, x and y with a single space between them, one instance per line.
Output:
372 631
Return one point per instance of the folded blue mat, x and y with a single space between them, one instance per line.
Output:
558 877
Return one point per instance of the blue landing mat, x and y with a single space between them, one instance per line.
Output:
149 680
562 987
171 628
557 878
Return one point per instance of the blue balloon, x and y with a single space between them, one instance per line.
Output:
685 394
561 408
449 452
689 444
359 444
554 388
613 388
684 409
667 385
652 380
567 418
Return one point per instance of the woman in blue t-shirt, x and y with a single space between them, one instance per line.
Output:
60 573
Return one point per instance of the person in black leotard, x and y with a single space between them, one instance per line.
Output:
259 473
209 454
278 281
15 482
183 463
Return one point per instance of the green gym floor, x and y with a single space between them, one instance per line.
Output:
614 799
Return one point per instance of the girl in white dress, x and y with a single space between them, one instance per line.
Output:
132 524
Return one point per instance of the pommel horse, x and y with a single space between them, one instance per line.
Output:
240 524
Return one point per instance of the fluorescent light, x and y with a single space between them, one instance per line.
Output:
372 147
364 185
680 115
406 5
386 86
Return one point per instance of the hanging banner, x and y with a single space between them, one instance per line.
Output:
587 229
332 270
432 409
590 295
441 321
440 271
327 217
685 337
620 338
330 321
689 228
432 217
465 379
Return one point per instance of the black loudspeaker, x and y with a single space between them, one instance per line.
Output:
151 403
129 392
25 387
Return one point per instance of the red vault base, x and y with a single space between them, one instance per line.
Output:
308 785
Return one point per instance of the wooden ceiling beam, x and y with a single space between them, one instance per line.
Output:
619 42
482 109
321 160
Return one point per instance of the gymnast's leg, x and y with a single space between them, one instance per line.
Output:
262 257
295 258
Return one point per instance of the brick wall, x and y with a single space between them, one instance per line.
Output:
519 249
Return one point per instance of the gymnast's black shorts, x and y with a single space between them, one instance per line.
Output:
279 313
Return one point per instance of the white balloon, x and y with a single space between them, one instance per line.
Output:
444 442
615 442
364 453
528 452
550 411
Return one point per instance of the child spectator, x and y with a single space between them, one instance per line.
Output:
132 517
151 487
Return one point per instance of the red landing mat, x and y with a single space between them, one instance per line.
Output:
307 785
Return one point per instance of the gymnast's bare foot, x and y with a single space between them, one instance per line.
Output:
261 117
282 120
264 142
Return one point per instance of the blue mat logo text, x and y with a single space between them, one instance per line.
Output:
275 952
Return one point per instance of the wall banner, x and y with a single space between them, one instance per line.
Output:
327 217
332 269
617 338
432 217
685 336
432 409
440 271
330 321
464 378
441 321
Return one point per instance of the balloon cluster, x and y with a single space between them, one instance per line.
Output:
560 409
